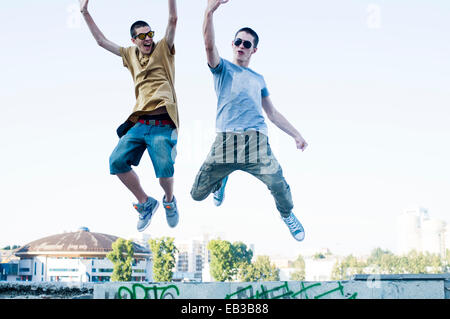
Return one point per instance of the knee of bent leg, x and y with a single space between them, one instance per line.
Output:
197 195
279 186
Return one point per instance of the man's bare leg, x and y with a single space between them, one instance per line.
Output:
167 185
131 181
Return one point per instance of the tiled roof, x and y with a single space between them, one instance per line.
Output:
76 242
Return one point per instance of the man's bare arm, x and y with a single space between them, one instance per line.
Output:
172 24
98 35
212 54
282 123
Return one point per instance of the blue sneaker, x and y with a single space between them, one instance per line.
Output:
171 211
219 194
146 212
295 227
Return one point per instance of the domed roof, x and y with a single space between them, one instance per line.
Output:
83 242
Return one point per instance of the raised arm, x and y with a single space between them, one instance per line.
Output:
172 24
98 35
212 54
281 122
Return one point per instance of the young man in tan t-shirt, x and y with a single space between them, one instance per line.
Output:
153 123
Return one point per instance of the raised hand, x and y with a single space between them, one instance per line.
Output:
83 5
214 4
98 35
212 54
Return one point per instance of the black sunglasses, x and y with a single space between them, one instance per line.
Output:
247 44
142 36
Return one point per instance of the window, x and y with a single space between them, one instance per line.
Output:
139 270
101 278
105 270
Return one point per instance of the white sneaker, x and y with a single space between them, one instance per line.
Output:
146 212
295 227
219 195
172 215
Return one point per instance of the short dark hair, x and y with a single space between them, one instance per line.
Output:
252 32
137 24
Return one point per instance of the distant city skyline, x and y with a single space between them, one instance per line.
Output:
409 237
418 230
46 259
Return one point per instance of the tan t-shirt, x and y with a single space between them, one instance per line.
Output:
153 82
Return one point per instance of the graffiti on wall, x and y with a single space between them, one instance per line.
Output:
314 290
139 291
311 291
284 291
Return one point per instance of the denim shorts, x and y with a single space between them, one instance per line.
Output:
160 142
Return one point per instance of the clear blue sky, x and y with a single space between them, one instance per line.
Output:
365 82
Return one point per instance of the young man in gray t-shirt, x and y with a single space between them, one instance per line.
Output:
241 142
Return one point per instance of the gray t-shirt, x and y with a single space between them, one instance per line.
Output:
239 91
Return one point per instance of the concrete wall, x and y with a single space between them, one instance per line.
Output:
360 287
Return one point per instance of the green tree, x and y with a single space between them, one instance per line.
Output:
391 264
382 261
437 265
338 271
349 266
121 256
260 270
416 263
319 256
243 256
163 253
222 265
385 262
447 261
422 263
299 264
376 255
227 259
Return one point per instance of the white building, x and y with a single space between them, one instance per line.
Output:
284 265
192 260
76 257
408 233
189 260
9 265
433 236
447 237
418 231
319 269
318 266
